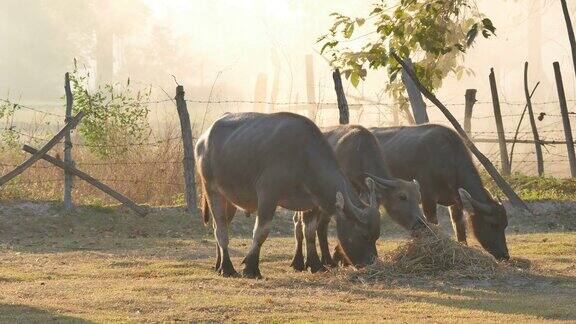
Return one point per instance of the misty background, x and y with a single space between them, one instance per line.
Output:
219 49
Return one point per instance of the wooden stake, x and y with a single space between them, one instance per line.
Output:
518 126
260 92
508 191
565 119
341 97
84 176
537 144
31 160
414 95
470 97
68 146
188 161
499 125
310 91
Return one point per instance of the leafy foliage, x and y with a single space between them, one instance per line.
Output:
8 138
115 113
435 34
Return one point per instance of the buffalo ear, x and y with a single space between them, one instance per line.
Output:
474 207
466 199
373 201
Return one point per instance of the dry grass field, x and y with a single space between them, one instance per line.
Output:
107 265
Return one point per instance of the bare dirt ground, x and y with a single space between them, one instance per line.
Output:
105 264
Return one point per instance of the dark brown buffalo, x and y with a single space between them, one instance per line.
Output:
258 162
358 153
437 157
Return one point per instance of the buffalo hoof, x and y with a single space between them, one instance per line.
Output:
228 272
298 264
252 273
315 266
329 262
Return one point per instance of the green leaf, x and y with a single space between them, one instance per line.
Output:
328 44
349 30
487 23
375 11
355 79
471 35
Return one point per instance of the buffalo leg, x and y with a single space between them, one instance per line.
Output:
458 222
220 224
311 218
298 260
229 212
266 210
322 232
429 209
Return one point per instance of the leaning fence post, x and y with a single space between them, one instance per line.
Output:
414 95
501 182
470 97
499 126
188 161
565 119
341 97
68 145
537 143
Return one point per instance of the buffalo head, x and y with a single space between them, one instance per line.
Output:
401 199
357 228
489 222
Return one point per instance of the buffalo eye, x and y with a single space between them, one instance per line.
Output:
402 196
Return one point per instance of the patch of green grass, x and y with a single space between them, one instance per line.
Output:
532 188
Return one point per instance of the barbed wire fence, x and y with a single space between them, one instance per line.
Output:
152 173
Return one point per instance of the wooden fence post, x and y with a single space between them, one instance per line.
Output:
310 91
501 182
499 126
470 97
68 146
275 84
414 95
537 144
260 92
188 161
565 119
341 97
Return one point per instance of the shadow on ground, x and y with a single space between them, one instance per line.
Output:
27 314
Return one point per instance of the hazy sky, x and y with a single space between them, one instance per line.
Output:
240 39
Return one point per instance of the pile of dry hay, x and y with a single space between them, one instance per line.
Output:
431 252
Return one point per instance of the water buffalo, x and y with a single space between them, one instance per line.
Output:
437 157
358 153
439 160
257 162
